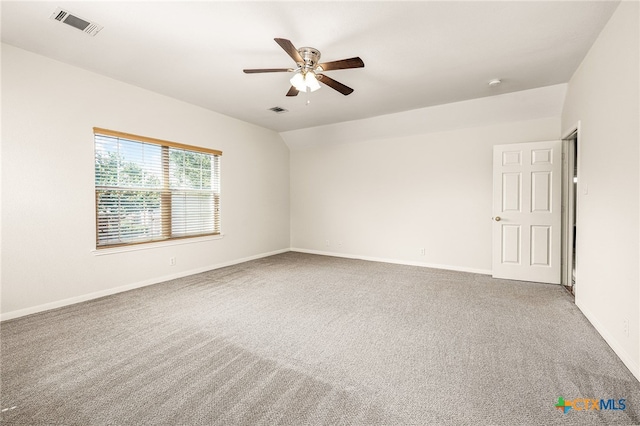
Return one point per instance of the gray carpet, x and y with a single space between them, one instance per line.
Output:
298 339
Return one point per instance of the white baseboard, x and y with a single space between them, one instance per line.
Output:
395 261
628 360
70 301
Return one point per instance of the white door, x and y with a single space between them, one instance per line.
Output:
527 211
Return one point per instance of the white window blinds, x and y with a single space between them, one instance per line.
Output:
151 190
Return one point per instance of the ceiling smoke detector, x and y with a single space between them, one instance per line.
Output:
495 82
75 21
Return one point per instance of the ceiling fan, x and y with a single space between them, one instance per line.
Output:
308 69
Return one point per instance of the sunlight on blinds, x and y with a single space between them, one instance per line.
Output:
148 191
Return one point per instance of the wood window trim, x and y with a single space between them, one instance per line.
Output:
138 138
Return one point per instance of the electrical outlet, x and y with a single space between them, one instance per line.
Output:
172 261
326 243
625 327
422 251
339 243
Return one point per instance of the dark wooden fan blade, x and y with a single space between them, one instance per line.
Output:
345 90
343 64
292 92
254 71
290 49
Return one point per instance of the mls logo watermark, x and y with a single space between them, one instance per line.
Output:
587 404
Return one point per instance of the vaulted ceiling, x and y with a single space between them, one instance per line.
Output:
416 54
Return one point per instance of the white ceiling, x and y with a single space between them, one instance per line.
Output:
416 54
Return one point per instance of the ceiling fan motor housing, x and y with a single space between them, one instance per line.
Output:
311 58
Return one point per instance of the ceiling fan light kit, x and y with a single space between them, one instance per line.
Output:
303 81
308 70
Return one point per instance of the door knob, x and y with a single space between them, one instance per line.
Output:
498 219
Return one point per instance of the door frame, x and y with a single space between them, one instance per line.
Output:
569 208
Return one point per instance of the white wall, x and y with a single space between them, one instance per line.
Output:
385 198
604 96
48 214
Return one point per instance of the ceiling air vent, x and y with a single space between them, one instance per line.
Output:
83 25
278 110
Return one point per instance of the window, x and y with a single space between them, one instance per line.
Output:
152 190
